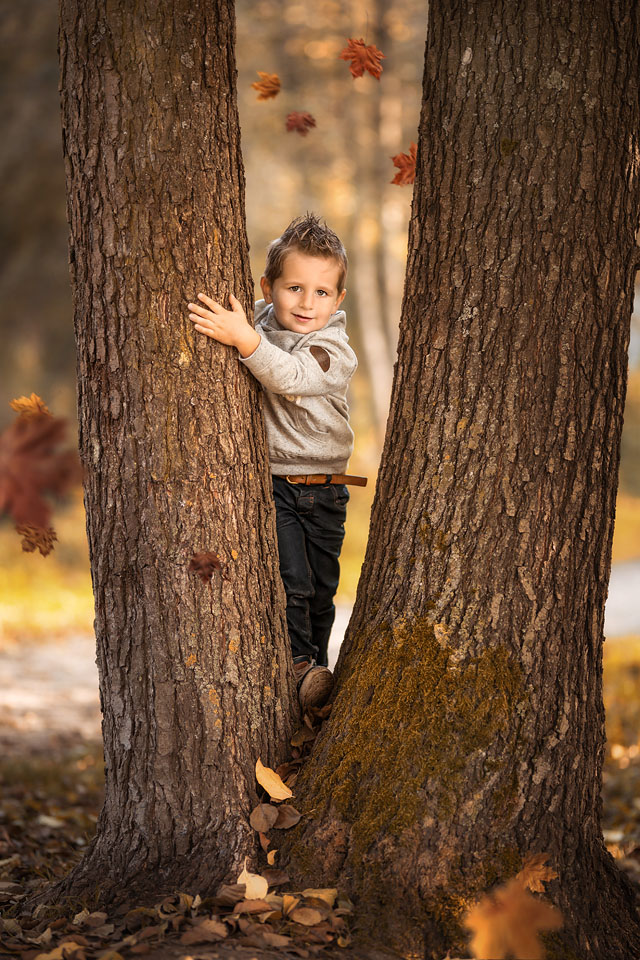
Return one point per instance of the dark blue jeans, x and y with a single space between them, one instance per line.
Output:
310 524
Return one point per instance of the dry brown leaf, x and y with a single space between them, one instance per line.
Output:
268 85
326 894
300 122
67 950
263 817
253 906
508 922
275 876
264 841
288 816
33 406
229 894
37 538
363 57
303 735
207 930
406 164
535 872
308 916
255 886
275 939
271 857
271 782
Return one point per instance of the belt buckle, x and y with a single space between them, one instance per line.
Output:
294 483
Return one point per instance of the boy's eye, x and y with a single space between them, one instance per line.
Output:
323 293
294 287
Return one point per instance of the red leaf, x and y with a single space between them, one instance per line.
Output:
300 122
204 564
406 164
268 85
363 58
32 465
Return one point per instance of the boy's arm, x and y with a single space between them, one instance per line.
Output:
323 365
225 326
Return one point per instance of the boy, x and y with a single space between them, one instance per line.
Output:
299 352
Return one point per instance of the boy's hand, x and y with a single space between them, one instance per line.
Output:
225 326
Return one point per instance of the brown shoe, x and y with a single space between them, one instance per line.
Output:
314 684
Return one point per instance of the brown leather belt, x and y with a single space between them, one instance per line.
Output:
326 478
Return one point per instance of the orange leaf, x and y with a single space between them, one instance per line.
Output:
406 164
33 406
271 782
535 872
507 923
300 122
268 85
363 58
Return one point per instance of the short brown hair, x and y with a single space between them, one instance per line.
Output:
311 235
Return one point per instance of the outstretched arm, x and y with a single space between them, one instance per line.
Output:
225 326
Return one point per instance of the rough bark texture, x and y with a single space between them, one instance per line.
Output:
194 680
468 725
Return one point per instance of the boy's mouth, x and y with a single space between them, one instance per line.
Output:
302 319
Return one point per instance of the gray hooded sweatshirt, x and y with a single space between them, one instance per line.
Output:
305 378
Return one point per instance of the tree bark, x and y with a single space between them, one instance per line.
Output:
468 724
194 678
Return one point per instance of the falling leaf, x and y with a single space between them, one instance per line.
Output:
271 857
535 872
268 85
37 538
300 122
271 782
256 886
204 564
507 923
327 894
32 406
363 57
406 164
306 915
288 816
32 465
263 817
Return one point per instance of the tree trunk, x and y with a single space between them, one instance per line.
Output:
468 725
194 678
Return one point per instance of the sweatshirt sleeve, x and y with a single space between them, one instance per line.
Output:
321 366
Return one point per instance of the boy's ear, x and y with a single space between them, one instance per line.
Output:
341 297
265 286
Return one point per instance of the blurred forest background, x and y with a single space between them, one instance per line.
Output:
342 170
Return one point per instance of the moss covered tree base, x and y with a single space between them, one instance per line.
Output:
468 723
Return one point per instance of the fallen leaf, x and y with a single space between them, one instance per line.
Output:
271 782
275 939
263 817
207 930
300 122
229 894
253 906
255 885
535 872
508 922
303 735
264 841
67 950
308 916
288 816
33 406
326 894
289 903
271 857
363 57
406 164
275 876
268 85
205 563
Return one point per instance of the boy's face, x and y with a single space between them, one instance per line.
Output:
305 295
